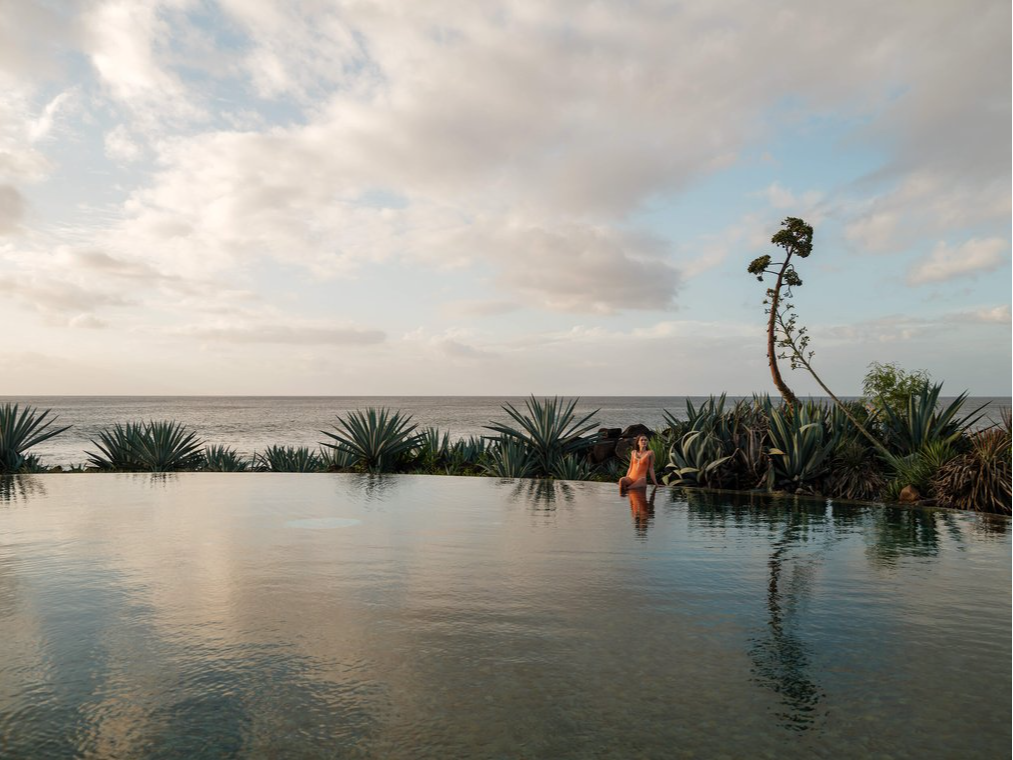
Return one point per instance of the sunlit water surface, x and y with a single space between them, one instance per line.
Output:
275 615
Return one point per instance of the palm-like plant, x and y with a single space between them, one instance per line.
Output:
223 459
287 459
696 459
508 458
922 423
379 439
550 430
164 446
20 429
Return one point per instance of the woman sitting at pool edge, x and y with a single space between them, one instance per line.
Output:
641 464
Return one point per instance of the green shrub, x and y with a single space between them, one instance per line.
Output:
571 468
979 479
20 429
381 441
509 458
223 459
801 444
287 459
550 431
337 458
855 472
164 446
890 385
909 430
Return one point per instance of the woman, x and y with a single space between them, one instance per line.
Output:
641 463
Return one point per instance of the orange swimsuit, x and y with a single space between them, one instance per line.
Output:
638 469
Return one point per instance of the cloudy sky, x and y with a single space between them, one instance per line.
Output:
312 197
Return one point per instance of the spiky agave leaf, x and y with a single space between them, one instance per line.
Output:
979 479
380 440
571 468
287 459
549 430
155 446
20 429
801 445
116 447
923 423
219 458
509 458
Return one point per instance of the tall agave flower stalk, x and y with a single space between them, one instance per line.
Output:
550 430
20 429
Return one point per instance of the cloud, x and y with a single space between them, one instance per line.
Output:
478 308
999 315
970 258
284 334
120 147
52 296
12 209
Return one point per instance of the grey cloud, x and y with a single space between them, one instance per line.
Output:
57 296
12 209
292 335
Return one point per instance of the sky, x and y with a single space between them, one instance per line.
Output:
244 197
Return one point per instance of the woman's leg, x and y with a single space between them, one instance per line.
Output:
641 483
624 483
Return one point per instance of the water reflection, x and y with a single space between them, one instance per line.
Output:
14 488
642 509
782 659
542 495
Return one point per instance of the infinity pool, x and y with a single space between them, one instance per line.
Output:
275 615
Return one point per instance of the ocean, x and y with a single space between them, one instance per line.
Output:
252 423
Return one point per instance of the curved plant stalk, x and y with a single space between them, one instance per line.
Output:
550 430
20 429
379 439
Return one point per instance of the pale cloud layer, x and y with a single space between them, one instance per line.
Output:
265 176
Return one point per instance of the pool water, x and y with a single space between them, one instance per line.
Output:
277 615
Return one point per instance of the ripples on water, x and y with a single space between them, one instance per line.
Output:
253 423
260 615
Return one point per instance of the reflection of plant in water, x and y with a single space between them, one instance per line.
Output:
904 532
541 494
20 488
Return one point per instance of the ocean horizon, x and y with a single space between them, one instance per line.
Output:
252 423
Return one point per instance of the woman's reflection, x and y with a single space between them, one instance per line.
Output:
642 509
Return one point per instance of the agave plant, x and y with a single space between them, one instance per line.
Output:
287 459
20 429
337 458
801 446
610 470
433 449
164 446
571 468
696 459
922 423
379 439
550 430
508 458
855 472
979 479
223 459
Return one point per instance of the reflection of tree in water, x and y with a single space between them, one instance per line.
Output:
781 659
14 488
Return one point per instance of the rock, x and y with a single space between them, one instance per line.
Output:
623 447
603 450
636 430
909 495
609 433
